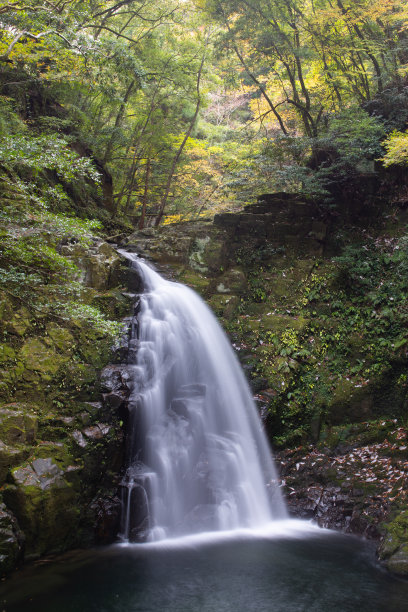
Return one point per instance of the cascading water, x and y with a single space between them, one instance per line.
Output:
198 458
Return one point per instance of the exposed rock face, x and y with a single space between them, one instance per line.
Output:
61 441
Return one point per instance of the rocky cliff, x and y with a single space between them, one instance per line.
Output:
315 308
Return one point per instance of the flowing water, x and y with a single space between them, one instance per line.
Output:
198 458
200 490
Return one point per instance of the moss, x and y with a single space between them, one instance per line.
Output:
113 303
60 338
277 323
198 282
224 305
394 547
45 505
42 359
18 424
19 322
233 281
7 353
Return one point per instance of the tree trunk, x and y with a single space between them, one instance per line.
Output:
181 147
145 194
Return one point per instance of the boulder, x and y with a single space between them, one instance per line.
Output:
18 425
11 541
45 504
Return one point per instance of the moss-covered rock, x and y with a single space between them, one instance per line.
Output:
40 359
350 402
60 338
19 322
233 281
18 424
45 505
7 353
394 547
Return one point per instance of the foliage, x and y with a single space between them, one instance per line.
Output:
45 152
32 269
396 146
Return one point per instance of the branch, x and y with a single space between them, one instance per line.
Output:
5 56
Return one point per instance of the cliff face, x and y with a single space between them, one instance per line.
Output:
315 308
316 311
60 443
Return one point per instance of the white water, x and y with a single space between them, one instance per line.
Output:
198 458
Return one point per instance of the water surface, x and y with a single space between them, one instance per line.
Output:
300 570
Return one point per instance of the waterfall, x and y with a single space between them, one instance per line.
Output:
198 459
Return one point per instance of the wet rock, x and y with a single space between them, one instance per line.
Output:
97 432
11 541
107 519
114 378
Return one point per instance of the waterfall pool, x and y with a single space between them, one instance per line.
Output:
293 567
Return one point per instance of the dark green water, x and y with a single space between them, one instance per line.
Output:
316 572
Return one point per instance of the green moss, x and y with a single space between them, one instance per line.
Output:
394 547
60 338
19 322
195 280
7 353
18 424
42 359
45 505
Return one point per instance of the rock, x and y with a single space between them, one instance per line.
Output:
97 432
19 322
45 505
59 337
17 424
79 439
233 281
11 541
107 519
10 456
100 264
398 563
7 353
41 359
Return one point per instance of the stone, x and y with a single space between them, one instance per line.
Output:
45 505
19 322
7 353
398 562
17 424
41 359
59 337
11 541
97 432
233 281
10 456
79 439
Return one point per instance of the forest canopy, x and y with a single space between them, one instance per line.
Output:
195 106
